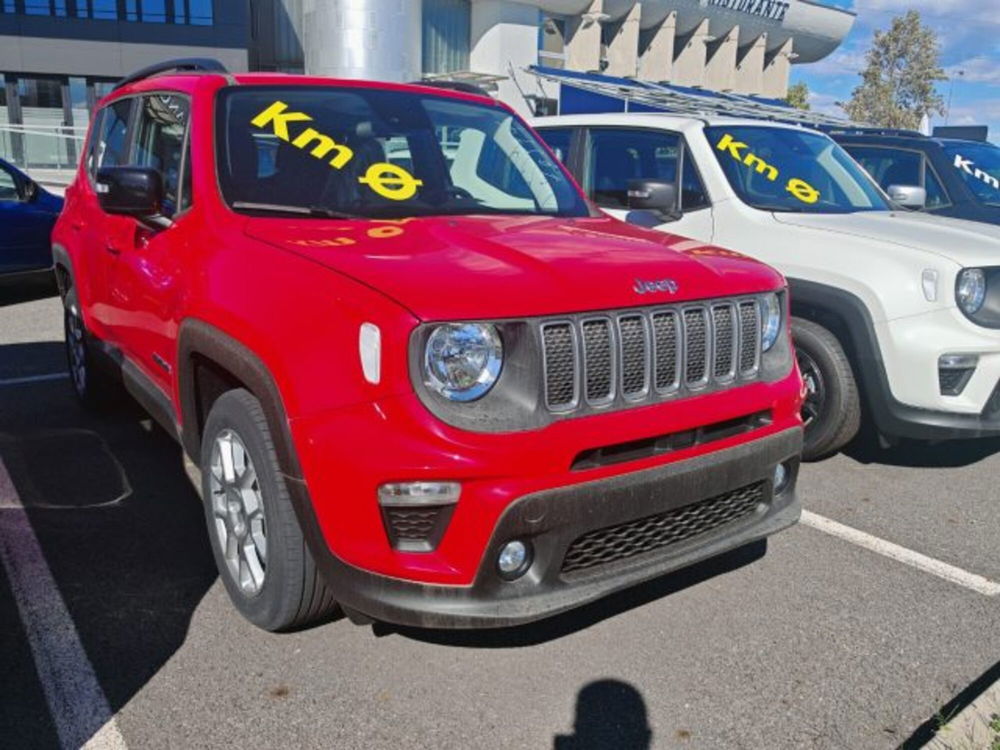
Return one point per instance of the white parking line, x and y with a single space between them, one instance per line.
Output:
971 581
34 378
78 706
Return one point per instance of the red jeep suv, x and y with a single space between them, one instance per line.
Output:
422 378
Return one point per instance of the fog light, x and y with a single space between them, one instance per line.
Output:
782 475
514 559
402 494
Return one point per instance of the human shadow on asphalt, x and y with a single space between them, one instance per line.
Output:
587 615
926 731
121 528
609 714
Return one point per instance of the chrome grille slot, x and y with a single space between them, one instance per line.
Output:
620 358
559 342
634 343
598 361
666 334
695 346
749 338
724 358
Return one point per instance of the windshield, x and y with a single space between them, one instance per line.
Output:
979 165
780 169
378 153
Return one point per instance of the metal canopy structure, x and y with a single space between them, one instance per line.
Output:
683 100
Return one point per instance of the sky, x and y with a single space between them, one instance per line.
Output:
969 36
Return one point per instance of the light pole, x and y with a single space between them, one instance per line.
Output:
951 89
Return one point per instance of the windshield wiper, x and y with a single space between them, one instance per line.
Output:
274 208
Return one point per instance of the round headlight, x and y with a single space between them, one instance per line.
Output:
970 291
462 360
770 315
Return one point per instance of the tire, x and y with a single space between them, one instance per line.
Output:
832 411
89 375
258 545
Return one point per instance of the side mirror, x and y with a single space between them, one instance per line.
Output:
130 191
908 196
653 195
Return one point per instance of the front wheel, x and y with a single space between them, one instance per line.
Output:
258 545
832 409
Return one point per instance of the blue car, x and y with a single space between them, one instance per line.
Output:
961 177
27 213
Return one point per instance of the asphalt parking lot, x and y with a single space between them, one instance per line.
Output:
819 642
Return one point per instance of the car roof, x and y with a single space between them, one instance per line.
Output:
190 81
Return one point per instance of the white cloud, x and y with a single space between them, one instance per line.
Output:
979 69
963 11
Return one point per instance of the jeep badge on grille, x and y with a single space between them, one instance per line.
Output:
659 285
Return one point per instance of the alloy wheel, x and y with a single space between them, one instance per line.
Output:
238 512
812 408
76 352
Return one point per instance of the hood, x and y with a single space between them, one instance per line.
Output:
453 268
967 243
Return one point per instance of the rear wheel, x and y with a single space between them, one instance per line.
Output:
832 409
259 549
91 380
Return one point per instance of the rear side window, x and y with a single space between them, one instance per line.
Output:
615 156
892 166
109 147
8 186
160 133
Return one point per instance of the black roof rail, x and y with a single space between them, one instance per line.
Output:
465 88
861 130
196 64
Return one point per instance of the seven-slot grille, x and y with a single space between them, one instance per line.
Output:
637 355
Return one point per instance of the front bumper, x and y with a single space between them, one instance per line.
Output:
553 519
914 406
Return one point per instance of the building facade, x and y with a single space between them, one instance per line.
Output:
57 57
743 46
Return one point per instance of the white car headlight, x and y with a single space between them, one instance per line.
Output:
462 360
970 290
770 315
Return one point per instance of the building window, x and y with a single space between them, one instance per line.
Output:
182 12
446 35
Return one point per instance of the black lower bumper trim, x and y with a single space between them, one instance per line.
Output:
551 520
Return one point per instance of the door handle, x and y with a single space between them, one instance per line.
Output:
112 249
76 226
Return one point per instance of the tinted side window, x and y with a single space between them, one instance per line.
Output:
558 139
159 142
110 145
615 156
889 166
8 186
936 196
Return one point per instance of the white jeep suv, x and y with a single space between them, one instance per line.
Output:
896 313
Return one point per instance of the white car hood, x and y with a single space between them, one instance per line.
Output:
967 243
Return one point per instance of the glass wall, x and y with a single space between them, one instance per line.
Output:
43 119
193 12
446 35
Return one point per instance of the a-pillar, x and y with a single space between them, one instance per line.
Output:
583 39
776 71
720 69
656 60
750 67
623 49
504 41
690 56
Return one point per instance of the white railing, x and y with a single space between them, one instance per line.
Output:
41 146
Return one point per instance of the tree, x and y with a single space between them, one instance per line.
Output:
901 69
798 95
